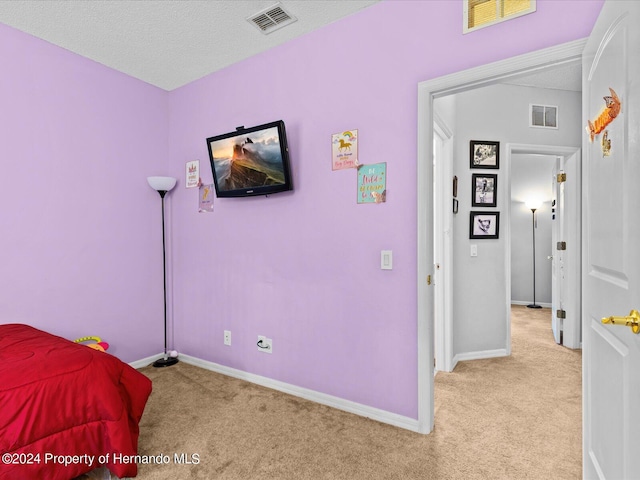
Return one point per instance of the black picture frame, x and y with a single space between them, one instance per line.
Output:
455 185
484 154
455 205
484 190
484 225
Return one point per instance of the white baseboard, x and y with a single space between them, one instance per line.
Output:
501 352
518 302
146 361
322 398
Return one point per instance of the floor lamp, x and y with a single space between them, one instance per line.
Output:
162 185
534 205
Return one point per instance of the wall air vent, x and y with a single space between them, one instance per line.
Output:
271 19
544 116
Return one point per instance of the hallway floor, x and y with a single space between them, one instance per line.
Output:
519 416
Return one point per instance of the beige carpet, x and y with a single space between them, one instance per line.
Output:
508 418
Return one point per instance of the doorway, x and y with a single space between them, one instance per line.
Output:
481 293
531 231
562 205
427 93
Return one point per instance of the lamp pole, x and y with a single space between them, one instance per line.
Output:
162 185
533 229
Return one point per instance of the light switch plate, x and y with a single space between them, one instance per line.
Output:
386 260
474 250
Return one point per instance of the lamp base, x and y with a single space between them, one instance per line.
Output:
165 362
533 305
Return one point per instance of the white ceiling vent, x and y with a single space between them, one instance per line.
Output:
271 18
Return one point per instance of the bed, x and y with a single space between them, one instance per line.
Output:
65 408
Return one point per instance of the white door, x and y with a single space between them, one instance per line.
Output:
443 206
611 233
557 259
565 284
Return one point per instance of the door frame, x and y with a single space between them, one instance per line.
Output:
564 54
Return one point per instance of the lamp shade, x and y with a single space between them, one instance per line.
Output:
533 203
162 184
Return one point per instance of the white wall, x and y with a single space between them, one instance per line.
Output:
498 113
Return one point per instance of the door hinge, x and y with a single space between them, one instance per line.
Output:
562 246
561 177
428 279
561 314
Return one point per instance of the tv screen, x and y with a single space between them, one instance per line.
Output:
251 161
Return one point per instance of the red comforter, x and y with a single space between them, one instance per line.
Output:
65 408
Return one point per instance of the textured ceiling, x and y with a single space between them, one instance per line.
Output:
167 43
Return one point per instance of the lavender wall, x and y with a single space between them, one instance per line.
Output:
303 268
79 226
80 229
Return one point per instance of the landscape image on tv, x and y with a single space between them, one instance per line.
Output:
248 160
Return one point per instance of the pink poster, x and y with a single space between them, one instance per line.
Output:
206 198
344 148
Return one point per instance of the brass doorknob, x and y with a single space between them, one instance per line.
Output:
632 321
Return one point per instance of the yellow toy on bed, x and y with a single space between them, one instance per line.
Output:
98 345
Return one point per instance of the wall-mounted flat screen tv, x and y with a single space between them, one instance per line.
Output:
251 161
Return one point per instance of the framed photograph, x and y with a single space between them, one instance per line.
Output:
455 205
484 224
484 190
455 186
484 154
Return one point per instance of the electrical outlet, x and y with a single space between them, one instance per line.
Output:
265 344
227 337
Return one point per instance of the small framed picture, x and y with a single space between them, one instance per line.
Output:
455 186
484 224
484 154
484 190
455 205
